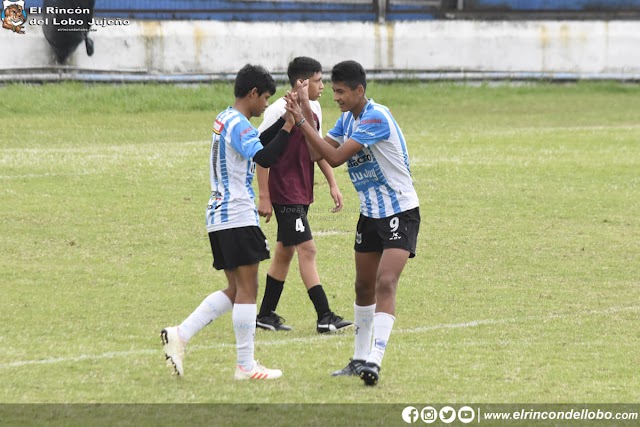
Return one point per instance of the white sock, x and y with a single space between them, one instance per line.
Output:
382 325
244 324
213 306
363 319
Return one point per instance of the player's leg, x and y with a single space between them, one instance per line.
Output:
327 320
278 270
244 325
398 235
213 306
363 311
175 338
391 265
368 250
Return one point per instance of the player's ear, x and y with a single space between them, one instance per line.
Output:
360 90
254 93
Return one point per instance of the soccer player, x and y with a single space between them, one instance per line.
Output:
367 137
287 188
237 243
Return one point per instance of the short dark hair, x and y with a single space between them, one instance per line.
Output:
302 67
251 76
350 73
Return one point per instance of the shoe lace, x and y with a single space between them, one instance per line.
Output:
335 318
277 320
259 367
354 363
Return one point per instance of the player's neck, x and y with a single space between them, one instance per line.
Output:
242 107
358 108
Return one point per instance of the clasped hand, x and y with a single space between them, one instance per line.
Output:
295 98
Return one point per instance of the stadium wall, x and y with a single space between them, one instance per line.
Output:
584 49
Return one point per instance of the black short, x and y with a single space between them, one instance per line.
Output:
236 247
397 231
293 226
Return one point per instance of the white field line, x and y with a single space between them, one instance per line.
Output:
48 174
316 338
322 233
94 148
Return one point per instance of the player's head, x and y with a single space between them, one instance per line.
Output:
303 68
254 83
349 82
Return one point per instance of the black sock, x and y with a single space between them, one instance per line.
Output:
271 297
319 300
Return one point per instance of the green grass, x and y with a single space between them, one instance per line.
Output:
525 287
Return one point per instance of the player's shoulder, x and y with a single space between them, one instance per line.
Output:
375 113
242 126
316 107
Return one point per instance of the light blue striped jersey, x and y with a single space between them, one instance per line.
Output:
235 141
380 171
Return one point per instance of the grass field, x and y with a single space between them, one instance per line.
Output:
526 285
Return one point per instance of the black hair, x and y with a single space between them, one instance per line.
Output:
302 67
350 73
251 76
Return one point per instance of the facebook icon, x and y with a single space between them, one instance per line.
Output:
410 414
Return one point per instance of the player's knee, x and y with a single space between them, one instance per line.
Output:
364 290
386 284
285 253
307 250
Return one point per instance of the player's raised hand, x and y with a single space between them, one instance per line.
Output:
288 118
302 89
293 106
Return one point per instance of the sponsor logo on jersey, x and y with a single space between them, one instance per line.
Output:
358 160
217 127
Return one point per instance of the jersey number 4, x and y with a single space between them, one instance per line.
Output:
300 225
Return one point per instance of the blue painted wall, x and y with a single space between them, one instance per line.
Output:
546 5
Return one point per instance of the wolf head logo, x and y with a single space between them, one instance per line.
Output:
13 16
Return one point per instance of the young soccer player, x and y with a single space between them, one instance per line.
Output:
237 243
287 189
367 137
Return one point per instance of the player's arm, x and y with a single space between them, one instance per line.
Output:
268 134
334 156
264 198
307 113
336 195
271 151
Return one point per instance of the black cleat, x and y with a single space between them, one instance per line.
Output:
352 368
272 322
369 373
331 322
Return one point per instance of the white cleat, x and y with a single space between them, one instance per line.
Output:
173 349
258 372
